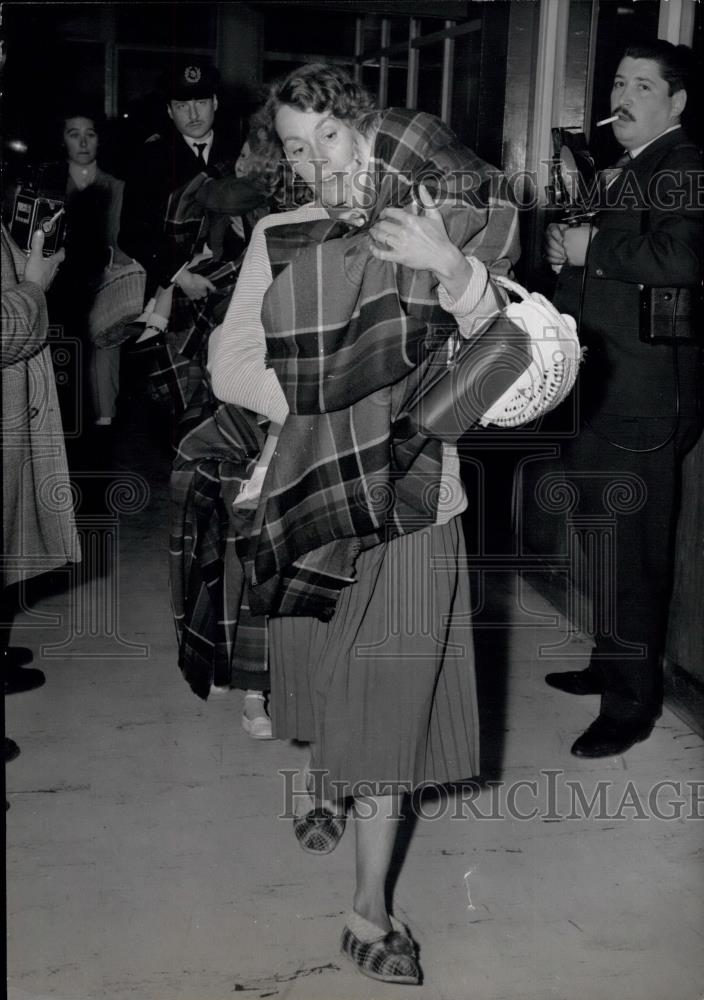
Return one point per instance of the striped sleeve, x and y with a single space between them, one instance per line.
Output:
480 300
494 249
237 349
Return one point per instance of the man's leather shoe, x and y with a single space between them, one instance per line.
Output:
576 681
16 656
608 738
23 679
12 751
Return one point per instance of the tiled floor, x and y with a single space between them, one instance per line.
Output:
145 859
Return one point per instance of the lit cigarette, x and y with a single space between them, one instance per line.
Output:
607 121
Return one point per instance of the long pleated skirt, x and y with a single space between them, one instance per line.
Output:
385 691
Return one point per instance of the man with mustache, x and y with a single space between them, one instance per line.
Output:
639 400
167 162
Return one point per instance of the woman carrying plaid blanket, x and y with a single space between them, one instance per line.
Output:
357 552
221 645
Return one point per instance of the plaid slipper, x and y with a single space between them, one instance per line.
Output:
319 831
390 957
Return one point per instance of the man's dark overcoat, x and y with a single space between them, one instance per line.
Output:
639 412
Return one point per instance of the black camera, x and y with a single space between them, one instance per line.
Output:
34 211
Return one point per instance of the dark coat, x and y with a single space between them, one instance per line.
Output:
650 234
93 214
638 409
162 166
92 224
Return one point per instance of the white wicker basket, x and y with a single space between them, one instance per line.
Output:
556 356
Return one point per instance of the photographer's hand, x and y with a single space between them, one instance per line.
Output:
576 242
553 245
40 269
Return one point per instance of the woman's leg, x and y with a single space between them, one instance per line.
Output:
255 704
104 382
255 718
376 825
366 938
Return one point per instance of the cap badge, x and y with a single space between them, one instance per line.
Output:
192 74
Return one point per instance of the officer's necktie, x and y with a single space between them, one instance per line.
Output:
200 146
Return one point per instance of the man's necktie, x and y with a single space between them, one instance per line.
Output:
200 146
608 175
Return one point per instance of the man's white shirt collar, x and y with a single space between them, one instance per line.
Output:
207 139
636 152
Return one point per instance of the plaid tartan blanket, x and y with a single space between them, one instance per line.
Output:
350 337
220 640
200 209
199 212
178 361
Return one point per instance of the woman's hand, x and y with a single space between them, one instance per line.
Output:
355 217
420 242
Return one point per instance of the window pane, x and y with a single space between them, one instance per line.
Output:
372 33
429 25
398 76
430 78
370 79
399 30
465 91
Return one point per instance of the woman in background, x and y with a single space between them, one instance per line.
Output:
93 200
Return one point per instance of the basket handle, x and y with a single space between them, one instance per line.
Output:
511 286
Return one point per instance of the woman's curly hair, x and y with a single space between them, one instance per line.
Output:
313 87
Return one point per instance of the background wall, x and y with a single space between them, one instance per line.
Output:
448 58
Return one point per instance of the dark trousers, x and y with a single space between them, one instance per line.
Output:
625 515
9 604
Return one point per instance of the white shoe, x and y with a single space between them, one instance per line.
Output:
258 728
